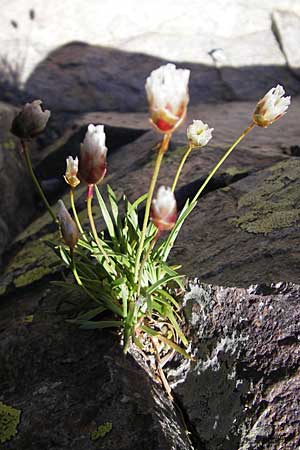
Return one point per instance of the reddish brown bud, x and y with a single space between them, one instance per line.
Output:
31 121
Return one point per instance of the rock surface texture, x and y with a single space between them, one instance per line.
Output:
242 391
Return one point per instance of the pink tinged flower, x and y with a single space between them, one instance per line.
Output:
71 172
92 162
271 107
168 97
198 133
164 209
31 120
68 227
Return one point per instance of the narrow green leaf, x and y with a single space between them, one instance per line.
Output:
105 213
86 325
166 341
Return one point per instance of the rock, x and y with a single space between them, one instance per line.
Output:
241 70
286 25
242 391
17 203
28 38
76 389
246 232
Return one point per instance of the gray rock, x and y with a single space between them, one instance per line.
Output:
17 203
241 70
67 383
242 391
286 25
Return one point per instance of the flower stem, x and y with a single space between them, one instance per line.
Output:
218 165
75 213
183 160
162 149
93 227
35 180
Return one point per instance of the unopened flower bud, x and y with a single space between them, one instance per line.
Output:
199 134
92 167
31 121
68 227
71 172
164 209
167 92
271 107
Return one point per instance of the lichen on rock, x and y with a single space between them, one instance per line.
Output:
101 431
9 421
274 204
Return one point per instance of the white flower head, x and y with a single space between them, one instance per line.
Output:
198 133
71 172
93 155
94 140
167 92
164 209
271 107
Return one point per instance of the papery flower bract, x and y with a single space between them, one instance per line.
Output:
71 172
167 92
164 209
31 120
198 133
92 166
68 227
271 107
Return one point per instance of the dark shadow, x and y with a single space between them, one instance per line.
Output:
79 77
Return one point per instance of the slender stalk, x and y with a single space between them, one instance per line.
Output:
94 231
72 200
218 165
35 180
182 162
163 148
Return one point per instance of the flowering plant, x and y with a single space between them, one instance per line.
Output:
123 270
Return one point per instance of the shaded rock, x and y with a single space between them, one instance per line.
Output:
242 391
17 203
286 25
80 78
68 383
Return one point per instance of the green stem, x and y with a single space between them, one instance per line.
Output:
95 234
35 180
75 213
184 158
218 165
163 148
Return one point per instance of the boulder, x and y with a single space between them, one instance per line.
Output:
242 390
75 389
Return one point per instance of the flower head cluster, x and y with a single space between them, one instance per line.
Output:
164 209
199 134
271 107
92 166
71 172
167 92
